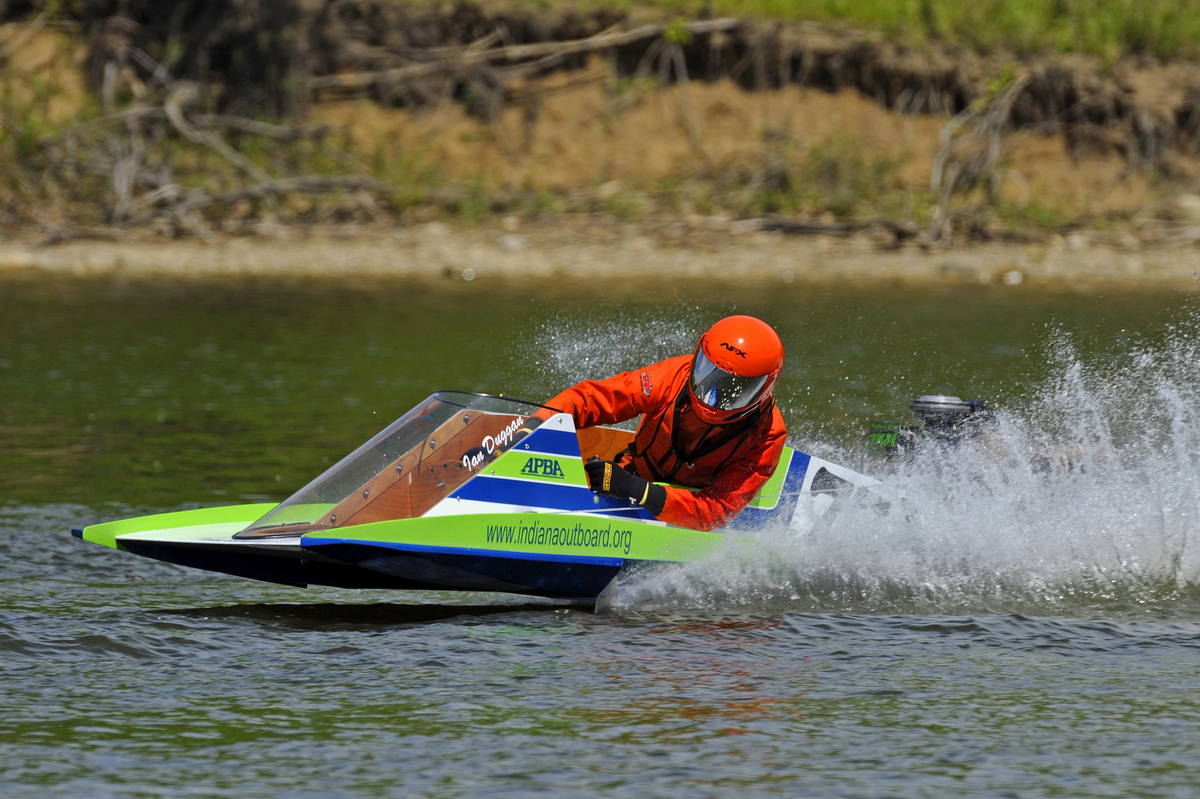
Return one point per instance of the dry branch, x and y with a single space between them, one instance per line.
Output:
282 132
185 94
122 150
305 184
185 208
127 116
970 152
466 57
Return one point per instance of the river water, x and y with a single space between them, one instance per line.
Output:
1020 618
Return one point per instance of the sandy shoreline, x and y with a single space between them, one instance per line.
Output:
703 249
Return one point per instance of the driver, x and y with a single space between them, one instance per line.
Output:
709 423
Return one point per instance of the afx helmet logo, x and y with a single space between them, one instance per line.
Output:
733 349
543 467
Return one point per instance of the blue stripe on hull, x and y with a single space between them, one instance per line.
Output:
534 494
551 442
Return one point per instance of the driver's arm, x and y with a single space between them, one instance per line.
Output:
620 397
718 503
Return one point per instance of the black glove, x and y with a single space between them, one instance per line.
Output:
610 480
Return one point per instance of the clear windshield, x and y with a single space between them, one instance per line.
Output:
407 468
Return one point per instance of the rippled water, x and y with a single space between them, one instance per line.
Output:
123 677
1017 617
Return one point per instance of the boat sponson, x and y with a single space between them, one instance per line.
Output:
288 565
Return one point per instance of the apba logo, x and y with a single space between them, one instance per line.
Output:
732 349
543 467
646 383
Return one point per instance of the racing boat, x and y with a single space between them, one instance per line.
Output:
465 492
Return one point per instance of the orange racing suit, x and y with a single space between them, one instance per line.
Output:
728 463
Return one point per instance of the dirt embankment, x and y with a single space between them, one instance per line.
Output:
211 120
623 256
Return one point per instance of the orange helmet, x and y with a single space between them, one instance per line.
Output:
734 369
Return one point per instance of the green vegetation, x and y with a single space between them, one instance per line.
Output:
1108 29
1105 28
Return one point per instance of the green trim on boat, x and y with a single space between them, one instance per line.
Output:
562 469
768 496
583 534
106 533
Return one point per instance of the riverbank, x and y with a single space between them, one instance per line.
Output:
591 249
397 115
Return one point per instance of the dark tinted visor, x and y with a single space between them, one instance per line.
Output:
721 390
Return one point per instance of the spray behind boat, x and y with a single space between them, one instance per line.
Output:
944 420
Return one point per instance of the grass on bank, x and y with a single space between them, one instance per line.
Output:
1108 29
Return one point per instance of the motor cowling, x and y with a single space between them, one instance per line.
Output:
944 419
947 418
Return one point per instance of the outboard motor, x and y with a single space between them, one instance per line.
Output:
944 419
947 419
